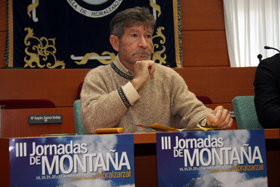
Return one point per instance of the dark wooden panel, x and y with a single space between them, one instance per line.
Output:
3 15
219 84
273 164
202 15
145 169
2 48
4 162
3 31
59 86
204 48
14 122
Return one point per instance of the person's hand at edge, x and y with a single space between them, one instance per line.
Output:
219 118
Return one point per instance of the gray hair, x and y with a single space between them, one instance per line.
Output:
129 17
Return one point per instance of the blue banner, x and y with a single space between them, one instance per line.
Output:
104 160
212 158
50 34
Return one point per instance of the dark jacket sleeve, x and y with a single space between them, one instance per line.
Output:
267 92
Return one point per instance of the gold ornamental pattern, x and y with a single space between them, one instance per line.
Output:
87 56
159 56
159 48
32 7
40 52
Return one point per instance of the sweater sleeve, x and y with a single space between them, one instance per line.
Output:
131 93
102 105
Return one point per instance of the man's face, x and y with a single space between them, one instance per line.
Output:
136 44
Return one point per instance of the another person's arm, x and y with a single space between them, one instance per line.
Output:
267 92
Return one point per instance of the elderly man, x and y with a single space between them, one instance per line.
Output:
134 90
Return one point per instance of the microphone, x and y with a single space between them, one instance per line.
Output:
260 57
267 47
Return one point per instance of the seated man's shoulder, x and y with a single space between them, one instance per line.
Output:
165 70
168 73
272 62
99 69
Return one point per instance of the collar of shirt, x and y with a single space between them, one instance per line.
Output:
121 67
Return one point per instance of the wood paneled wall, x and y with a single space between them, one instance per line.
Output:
203 33
3 31
61 86
206 64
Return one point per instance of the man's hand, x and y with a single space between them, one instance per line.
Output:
142 71
219 118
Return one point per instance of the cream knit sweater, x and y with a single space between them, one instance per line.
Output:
108 99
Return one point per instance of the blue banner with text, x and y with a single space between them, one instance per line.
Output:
213 158
98 160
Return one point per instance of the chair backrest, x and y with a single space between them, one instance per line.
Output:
204 99
79 128
245 112
79 90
